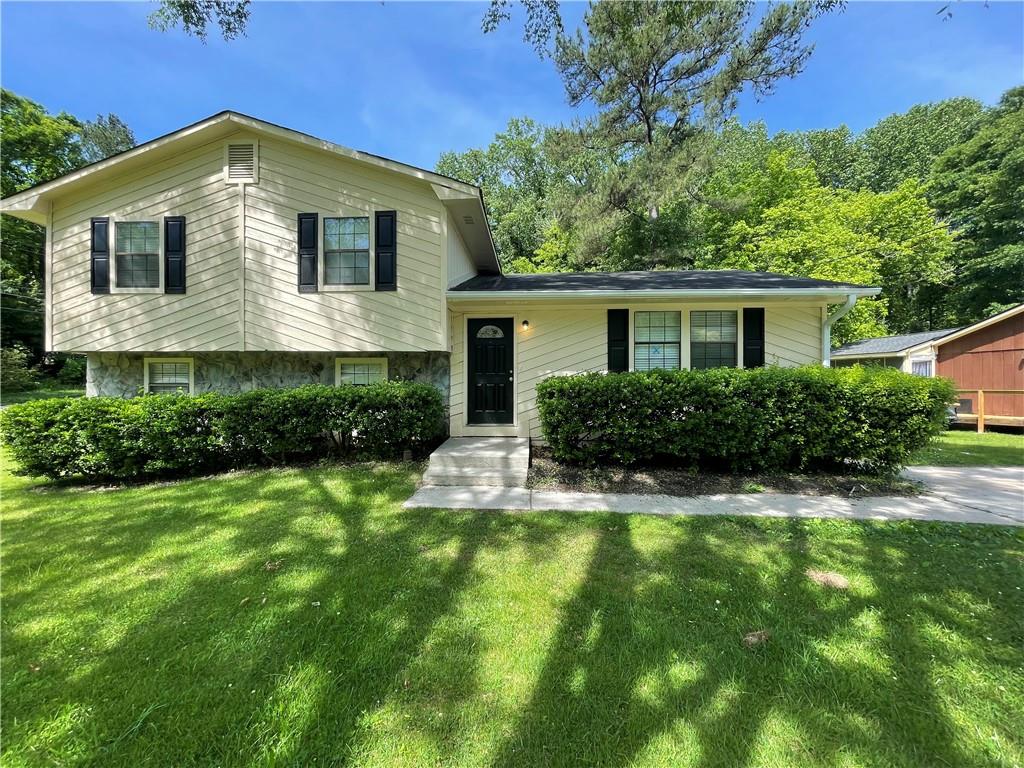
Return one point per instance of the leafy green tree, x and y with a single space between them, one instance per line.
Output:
661 75
978 188
35 147
543 21
105 136
794 225
516 175
904 146
195 16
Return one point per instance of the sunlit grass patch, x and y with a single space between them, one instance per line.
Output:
302 617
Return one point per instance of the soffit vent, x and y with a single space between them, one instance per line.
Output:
241 164
469 220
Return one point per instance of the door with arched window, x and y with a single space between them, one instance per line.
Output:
491 370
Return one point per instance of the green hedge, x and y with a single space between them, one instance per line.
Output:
174 435
754 420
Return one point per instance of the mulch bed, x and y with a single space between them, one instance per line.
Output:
550 475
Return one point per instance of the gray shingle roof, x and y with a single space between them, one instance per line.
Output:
719 279
889 344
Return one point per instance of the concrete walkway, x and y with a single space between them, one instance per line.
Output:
992 495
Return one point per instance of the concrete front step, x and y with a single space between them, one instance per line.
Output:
479 461
475 476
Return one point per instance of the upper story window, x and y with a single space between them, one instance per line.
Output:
137 254
713 339
347 250
656 340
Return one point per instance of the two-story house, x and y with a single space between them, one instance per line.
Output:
235 254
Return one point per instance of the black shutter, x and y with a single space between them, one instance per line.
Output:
385 242
174 254
99 279
307 253
618 340
753 337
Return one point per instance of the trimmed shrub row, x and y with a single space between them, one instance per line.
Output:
174 435
750 420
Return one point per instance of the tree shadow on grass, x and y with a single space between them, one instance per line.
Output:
324 618
648 662
279 651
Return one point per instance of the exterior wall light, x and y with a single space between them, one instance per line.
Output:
526 325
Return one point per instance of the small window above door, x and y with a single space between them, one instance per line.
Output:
490 332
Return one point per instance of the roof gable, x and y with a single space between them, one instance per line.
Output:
32 203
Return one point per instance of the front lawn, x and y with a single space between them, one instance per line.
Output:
961 448
42 392
301 617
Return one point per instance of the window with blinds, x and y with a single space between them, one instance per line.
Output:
168 376
656 340
713 339
136 254
360 372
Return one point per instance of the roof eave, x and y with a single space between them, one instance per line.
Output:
668 293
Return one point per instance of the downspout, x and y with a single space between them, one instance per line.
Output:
826 328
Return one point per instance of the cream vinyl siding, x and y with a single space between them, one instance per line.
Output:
460 265
296 179
573 339
190 184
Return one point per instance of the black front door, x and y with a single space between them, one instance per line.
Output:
490 371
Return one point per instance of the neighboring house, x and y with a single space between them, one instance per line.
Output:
235 254
892 352
985 360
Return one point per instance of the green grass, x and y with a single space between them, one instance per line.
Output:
960 448
301 617
41 393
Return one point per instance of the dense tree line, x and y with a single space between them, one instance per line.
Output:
928 203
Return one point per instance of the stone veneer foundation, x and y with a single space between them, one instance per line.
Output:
120 374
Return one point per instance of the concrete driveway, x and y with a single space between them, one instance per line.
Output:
989 495
996 491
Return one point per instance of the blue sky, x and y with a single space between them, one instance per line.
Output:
410 80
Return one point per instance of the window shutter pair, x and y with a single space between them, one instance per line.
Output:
618 338
174 255
385 245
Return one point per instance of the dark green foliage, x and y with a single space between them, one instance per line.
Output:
16 373
978 188
174 435
73 370
753 420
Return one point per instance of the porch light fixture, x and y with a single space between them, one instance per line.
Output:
526 325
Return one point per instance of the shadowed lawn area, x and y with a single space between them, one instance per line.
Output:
961 448
301 617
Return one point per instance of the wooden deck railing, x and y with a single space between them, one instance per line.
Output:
996 419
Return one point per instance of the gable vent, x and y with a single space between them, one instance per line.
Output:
241 165
468 219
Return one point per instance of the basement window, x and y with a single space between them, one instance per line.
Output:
169 375
360 371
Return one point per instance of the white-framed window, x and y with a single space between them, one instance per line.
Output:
137 256
921 367
713 335
346 251
167 375
360 371
656 340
